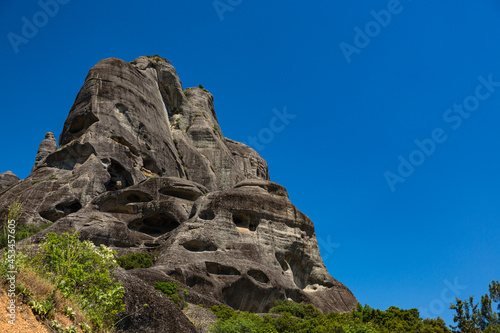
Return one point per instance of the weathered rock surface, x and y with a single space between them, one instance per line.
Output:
147 310
143 167
7 179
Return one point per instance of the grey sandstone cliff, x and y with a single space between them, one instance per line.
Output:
143 166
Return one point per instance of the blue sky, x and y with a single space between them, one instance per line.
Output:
391 242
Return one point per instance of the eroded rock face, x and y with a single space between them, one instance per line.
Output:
143 166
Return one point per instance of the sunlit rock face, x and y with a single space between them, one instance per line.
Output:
143 166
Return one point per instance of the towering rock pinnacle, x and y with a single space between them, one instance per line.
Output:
47 146
143 165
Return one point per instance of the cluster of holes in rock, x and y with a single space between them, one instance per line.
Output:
119 177
219 269
246 219
181 193
155 225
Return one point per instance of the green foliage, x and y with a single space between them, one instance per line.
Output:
135 260
174 291
53 177
478 317
85 328
22 232
43 309
81 271
69 312
224 312
303 318
492 329
56 325
201 86
158 58
71 329
299 310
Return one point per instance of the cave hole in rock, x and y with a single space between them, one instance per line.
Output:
197 245
120 203
61 210
77 125
120 178
219 269
69 207
155 225
181 193
195 280
207 214
150 164
82 122
245 295
299 267
258 275
68 156
296 295
134 196
246 219
125 143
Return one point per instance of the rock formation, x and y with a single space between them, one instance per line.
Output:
143 166
7 179
47 146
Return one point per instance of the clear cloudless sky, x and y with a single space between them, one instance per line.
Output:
352 121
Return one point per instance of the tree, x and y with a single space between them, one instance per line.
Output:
471 318
467 316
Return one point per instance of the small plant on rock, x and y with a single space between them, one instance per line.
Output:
174 291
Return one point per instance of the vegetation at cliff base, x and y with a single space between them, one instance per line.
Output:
290 317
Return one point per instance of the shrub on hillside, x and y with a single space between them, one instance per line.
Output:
81 271
135 260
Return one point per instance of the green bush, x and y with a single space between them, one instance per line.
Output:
81 271
300 310
174 291
22 232
135 260
158 58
